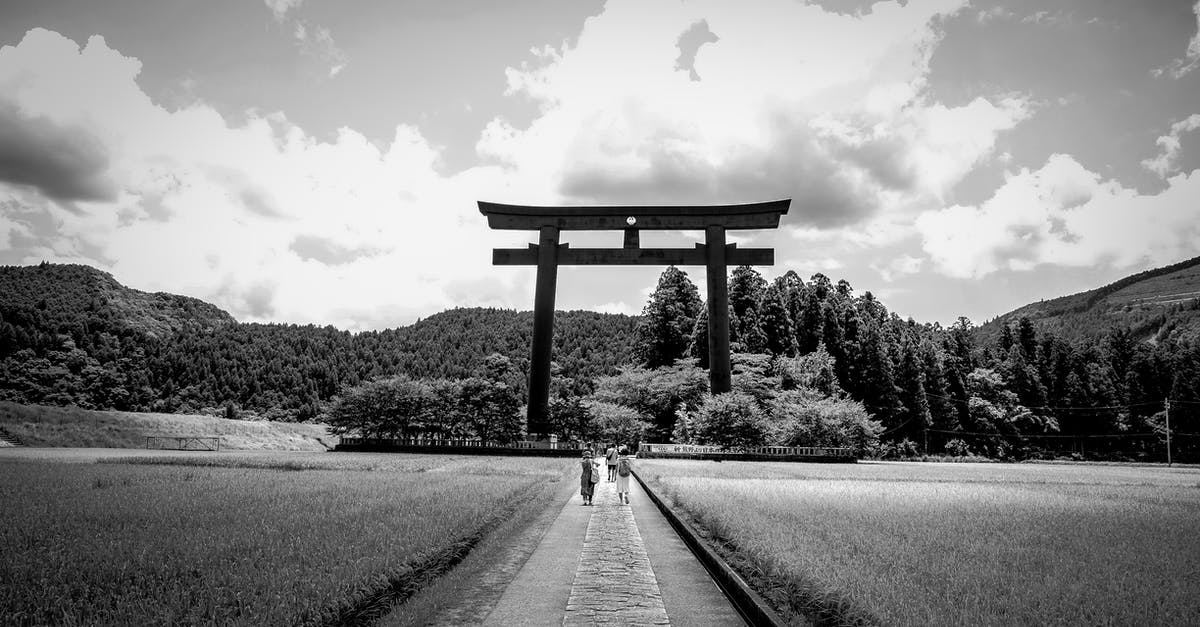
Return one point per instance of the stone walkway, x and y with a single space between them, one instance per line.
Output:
612 564
614 582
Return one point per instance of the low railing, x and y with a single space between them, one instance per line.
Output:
469 443
795 451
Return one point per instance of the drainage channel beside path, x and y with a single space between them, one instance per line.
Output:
612 564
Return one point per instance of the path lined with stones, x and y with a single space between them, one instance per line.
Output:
614 582
611 564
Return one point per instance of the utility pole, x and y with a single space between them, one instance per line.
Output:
1167 413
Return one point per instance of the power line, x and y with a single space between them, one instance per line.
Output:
898 427
1052 436
1070 408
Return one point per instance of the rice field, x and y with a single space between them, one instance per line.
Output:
954 544
249 538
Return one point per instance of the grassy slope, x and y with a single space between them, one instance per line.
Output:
956 544
38 425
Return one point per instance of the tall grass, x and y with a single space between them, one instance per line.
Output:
150 543
913 544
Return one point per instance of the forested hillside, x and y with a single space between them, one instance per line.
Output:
1027 391
1024 386
71 335
1155 305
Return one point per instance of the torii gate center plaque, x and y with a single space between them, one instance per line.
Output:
548 254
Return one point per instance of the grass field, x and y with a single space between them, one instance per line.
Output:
249 538
38 425
955 544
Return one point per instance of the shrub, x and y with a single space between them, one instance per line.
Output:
732 421
655 394
571 420
816 370
490 408
957 448
616 423
805 418
386 408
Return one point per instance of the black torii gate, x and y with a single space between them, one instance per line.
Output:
548 254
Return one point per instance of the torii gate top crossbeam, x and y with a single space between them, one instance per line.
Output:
759 215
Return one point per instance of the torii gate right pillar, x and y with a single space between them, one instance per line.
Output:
719 371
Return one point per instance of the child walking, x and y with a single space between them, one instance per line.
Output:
624 469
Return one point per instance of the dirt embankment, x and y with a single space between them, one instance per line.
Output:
37 425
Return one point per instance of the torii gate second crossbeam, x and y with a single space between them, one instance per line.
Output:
548 254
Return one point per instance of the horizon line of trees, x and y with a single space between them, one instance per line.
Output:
1026 391
1030 393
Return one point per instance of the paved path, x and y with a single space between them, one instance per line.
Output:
614 564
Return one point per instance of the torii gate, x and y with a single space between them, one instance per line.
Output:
548 254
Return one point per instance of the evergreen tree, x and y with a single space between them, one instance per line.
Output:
791 290
808 322
911 381
820 285
777 324
879 391
699 342
961 345
752 337
1006 340
746 289
942 413
668 320
1027 338
833 338
1022 378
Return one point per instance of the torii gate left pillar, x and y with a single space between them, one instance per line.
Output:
548 254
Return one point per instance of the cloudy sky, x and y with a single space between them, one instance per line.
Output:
313 161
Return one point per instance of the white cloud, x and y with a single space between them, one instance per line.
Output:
903 264
620 307
214 210
821 264
314 41
1064 214
825 108
1169 146
281 7
1191 57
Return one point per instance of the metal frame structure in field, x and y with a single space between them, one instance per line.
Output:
715 254
184 442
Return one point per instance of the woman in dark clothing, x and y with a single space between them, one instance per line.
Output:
589 476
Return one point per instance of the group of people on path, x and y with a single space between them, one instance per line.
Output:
620 467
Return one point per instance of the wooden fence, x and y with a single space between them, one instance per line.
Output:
423 442
789 453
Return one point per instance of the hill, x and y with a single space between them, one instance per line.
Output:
73 335
1156 305
77 291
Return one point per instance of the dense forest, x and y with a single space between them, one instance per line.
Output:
71 335
1028 392
1017 387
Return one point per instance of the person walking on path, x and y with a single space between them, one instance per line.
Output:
589 476
611 457
624 469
